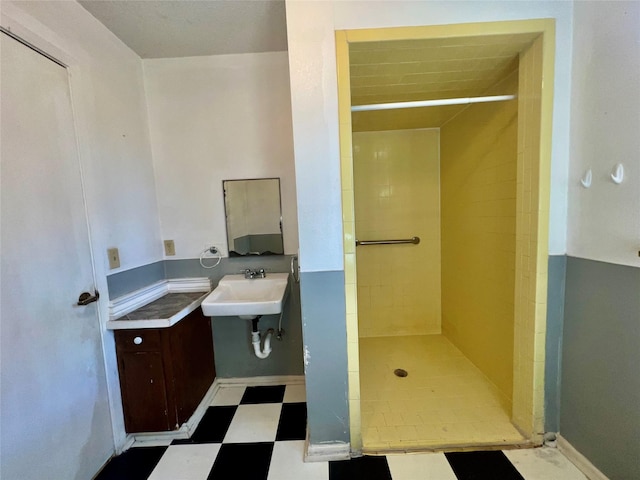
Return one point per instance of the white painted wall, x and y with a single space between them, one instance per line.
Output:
115 155
604 220
110 106
315 108
218 118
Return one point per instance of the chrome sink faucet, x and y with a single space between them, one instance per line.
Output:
250 274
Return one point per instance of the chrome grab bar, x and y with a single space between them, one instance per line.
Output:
413 240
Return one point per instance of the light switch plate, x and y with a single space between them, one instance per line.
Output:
169 248
114 258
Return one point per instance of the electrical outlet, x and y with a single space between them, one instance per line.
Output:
169 248
114 258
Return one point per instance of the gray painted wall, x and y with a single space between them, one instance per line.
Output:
553 360
231 336
600 403
125 282
325 342
325 330
234 352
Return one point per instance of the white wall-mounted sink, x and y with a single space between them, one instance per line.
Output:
236 295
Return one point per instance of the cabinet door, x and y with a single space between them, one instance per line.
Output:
142 381
193 370
144 395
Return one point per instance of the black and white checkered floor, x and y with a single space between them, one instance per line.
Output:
257 433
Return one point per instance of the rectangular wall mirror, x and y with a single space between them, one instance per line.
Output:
254 217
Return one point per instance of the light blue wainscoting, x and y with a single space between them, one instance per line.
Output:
600 398
325 345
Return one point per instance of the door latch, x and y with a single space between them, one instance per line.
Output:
86 298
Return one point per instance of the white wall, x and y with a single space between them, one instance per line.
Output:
604 220
315 113
110 108
217 118
115 155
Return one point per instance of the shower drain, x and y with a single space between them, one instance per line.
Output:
399 372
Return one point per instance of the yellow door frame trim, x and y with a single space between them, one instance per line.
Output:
532 230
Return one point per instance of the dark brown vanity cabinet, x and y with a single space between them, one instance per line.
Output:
164 372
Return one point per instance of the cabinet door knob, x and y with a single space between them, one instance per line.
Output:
137 340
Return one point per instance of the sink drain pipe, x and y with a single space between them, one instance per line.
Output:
255 340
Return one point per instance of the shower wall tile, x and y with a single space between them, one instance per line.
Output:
396 188
352 354
348 217
531 240
349 237
478 175
350 268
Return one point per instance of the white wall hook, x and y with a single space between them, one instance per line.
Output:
586 179
618 174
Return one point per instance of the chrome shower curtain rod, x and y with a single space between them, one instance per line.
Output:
431 103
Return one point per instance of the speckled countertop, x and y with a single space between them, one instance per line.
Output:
161 313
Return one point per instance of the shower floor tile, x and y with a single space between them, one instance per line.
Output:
445 400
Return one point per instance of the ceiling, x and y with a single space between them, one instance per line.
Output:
428 69
381 72
186 28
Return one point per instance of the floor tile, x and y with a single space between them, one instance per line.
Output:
295 394
254 423
543 464
213 426
287 463
246 461
263 439
489 465
186 462
293 422
423 466
134 464
362 468
263 394
228 395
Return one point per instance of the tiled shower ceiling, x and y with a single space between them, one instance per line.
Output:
409 70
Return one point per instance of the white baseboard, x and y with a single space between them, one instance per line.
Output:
579 460
328 452
325 452
154 439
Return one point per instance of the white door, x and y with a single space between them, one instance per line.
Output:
54 410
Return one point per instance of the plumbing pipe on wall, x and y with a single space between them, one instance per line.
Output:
255 340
